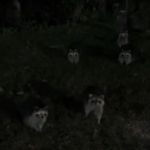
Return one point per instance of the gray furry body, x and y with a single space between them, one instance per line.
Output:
88 104
33 112
95 105
36 119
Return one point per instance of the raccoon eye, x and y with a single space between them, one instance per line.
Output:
122 55
93 101
99 102
45 115
37 115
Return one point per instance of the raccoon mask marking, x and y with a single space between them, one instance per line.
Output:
73 56
125 57
37 119
95 104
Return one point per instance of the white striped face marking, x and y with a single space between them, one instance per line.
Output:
37 119
95 104
73 56
125 57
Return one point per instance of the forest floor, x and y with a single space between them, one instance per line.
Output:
42 53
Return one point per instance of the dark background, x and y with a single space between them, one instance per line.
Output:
34 45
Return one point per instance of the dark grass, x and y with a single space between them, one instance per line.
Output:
41 53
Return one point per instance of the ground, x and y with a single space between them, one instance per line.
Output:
40 52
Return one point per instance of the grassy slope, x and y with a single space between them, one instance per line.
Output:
31 53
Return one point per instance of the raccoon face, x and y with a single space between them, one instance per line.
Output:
41 115
37 119
73 56
95 104
125 57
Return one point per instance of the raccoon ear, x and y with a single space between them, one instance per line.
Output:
102 96
90 95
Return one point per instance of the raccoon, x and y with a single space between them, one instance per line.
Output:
125 57
24 108
130 54
73 56
122 39
36 119
85 104
33 112
95 104
94 101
